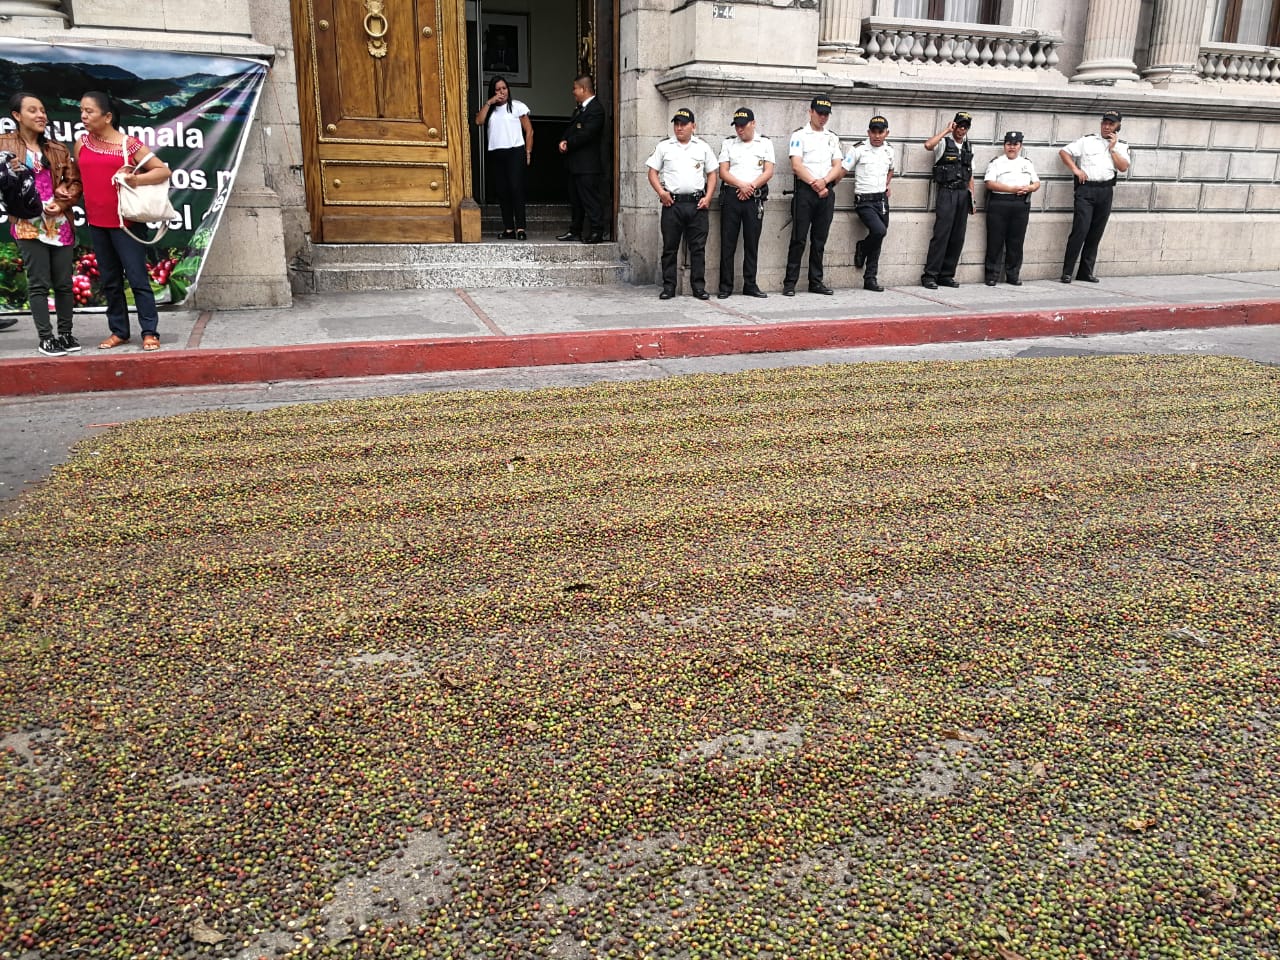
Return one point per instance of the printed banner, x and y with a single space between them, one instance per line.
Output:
194 111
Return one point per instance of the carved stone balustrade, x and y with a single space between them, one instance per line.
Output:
939 42
48 9
1233 62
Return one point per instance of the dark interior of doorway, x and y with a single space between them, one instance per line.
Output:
546 183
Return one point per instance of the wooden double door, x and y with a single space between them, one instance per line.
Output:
382 98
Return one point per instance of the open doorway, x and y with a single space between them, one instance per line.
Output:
538 47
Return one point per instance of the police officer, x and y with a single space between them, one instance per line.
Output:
682 172
1095 160
1011 180
953 176
815 160
872 164
746 164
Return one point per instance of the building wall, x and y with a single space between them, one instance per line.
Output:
1205 156
1201 196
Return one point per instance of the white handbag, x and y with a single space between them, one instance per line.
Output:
145 203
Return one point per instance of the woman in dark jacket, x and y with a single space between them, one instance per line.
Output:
47 240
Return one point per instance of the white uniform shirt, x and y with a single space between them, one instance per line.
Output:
1092 154
817 150
746 159
1018 172
683 167
870 166
504 126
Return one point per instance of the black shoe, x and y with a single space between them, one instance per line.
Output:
570 236
991 283
1088 277
859 258
701 295
1066 278
788 291
507 235
821 288
757 292
872 286
666 294
1013 281
724 294
929 283
69 343
52 347
949 282
7 322
594 238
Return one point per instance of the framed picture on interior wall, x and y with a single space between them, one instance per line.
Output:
504 45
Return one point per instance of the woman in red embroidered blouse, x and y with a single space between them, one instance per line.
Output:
101 154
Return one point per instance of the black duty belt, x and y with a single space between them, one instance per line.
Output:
1100 184
954 186
688 197
859 197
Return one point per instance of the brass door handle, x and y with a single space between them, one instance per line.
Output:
337 183
375 26
435 184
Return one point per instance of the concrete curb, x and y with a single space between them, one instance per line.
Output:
184 368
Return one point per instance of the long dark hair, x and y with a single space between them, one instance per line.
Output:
107 104
493 88
15 106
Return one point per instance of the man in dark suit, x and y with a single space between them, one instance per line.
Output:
580 145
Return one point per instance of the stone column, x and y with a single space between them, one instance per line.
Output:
1110 37
1175 42
840 31
50 10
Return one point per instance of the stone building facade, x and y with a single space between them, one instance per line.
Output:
1198 82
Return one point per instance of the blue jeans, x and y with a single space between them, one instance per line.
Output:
121 258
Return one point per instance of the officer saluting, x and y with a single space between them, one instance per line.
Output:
953 174
682 172
746 164
815 160
871 163
1095 161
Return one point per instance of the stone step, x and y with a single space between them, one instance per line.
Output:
349 277
508 254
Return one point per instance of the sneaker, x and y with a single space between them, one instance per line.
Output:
69 343
52 347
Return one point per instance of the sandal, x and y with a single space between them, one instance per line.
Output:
150 342
112 342
521 235
507 235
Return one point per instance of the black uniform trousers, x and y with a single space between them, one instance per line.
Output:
810 215
509 177
873 211
1092 211
684 219
950 221
585 210
747 215
1007 217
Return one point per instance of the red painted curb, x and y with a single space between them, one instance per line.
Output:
183 368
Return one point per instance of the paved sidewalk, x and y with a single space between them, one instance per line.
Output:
368 334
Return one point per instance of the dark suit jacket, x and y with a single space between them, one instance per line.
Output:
584 135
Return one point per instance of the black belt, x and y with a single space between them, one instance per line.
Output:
859 197
1022 197
954 186
1102 184
688 197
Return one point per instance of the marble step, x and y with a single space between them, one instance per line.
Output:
490 254
359 277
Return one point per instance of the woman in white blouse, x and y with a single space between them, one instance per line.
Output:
510 137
